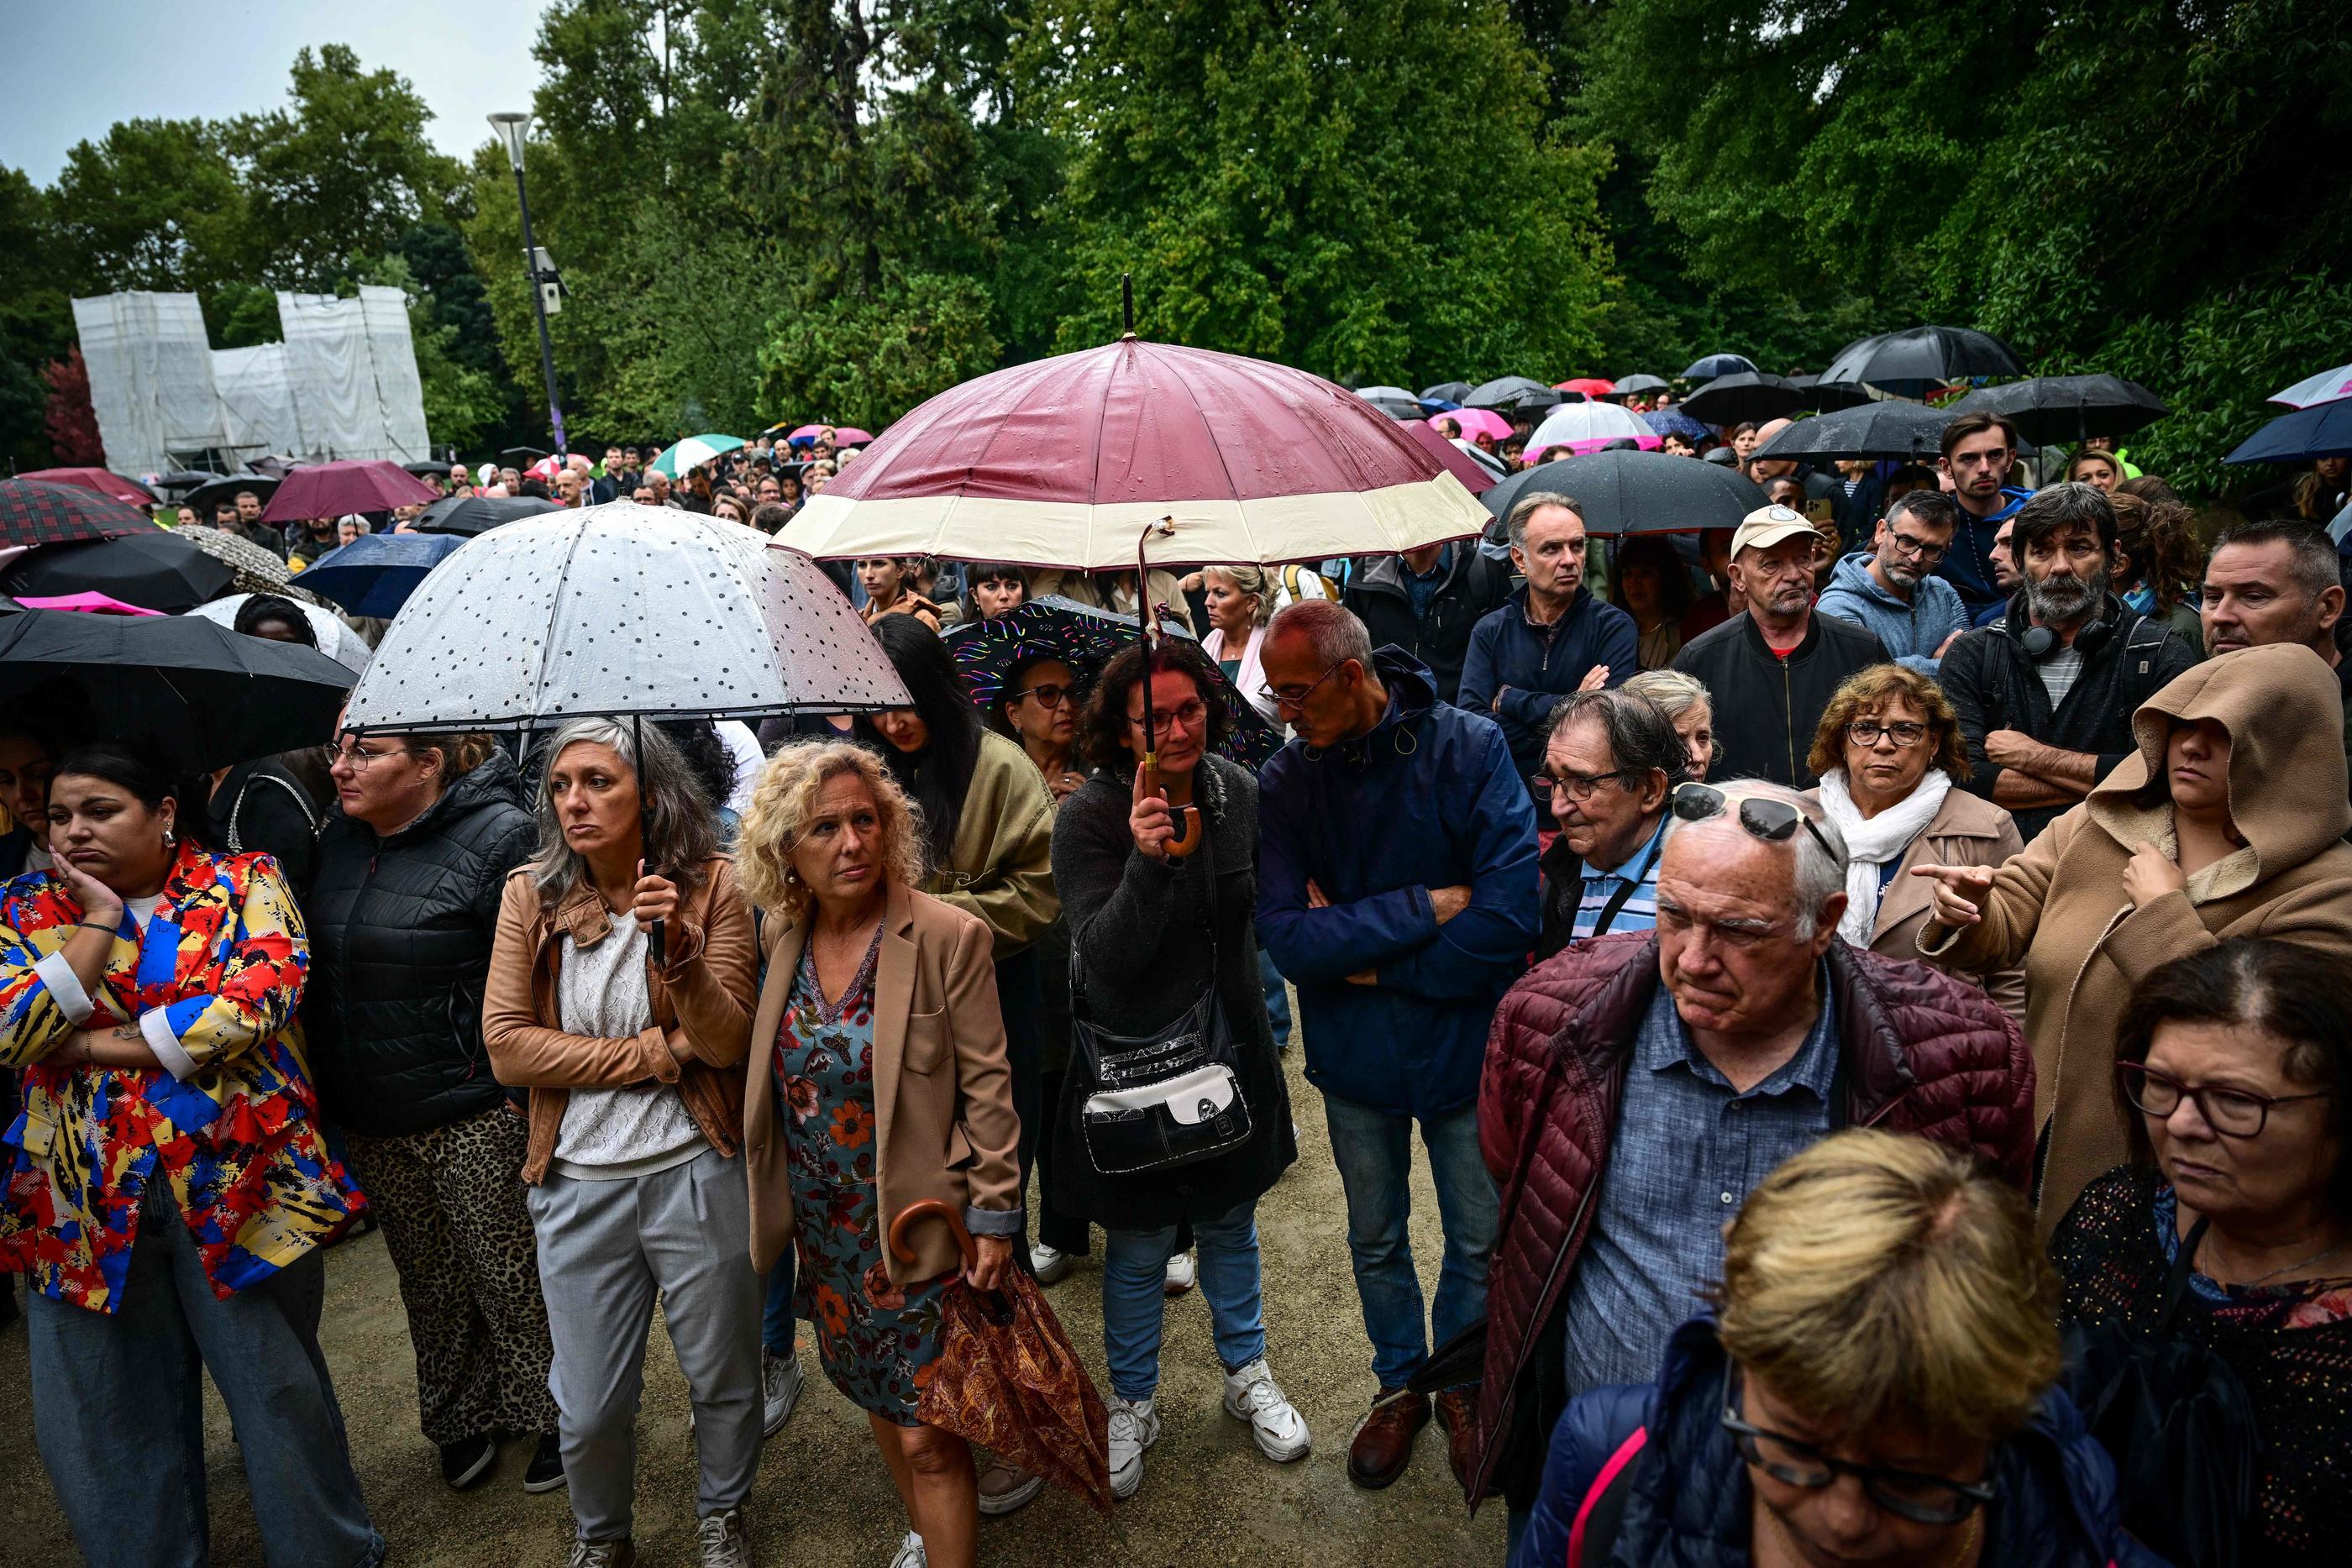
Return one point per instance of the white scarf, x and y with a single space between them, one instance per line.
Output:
1871 843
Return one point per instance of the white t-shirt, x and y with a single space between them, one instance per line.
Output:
639 1128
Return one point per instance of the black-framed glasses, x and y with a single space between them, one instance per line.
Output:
1904 544
1868 732
1578 787
1049 695
2233 1113
1298 699
1775 822
1921 1499
1192 715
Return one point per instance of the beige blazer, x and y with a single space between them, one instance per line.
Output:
1965 830
943 1121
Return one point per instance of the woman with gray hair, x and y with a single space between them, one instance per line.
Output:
1687 707
633 1061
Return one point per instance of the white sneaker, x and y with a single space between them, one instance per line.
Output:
720 1538
1181 1273
911 1553
1252 1396
780 1390
1134 1427
1050 1264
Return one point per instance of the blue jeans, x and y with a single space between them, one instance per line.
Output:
1374 1152
777 1332
118 1410
1135 1297
1277 997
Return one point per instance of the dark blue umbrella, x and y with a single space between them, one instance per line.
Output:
2322 430
1715 365
375 573
1673 420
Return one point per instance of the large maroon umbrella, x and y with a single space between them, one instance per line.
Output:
129 492
35 513
334 489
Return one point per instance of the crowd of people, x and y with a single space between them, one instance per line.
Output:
1867 986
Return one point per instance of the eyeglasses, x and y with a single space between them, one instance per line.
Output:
2233 1113
1867 732
1576 787
1191 715
357 755
1921 1499
1048 695
1775 822
1296 699
1904 544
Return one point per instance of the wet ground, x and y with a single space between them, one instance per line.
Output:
1208 1497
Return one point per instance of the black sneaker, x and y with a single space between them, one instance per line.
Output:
546 1472
463 1462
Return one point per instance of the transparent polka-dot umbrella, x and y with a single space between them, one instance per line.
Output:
620 609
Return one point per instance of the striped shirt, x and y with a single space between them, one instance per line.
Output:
1637 879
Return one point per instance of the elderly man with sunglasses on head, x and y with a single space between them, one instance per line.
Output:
1638 1085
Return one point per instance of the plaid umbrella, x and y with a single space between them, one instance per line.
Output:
37 512
1085 638
1007 1377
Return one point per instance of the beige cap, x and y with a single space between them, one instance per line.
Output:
1768 526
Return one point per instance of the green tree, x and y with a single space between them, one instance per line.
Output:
153 205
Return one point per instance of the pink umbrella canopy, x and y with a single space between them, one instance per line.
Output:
1065 461
129 492
1473 422
1474 477
843 435
332 489
84 603
1590 386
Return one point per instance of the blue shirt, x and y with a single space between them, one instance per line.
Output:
1421 587
1968 565
1639 911
1686 1152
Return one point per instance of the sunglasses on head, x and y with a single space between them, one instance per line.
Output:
1775 822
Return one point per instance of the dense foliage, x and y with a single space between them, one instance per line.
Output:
769 209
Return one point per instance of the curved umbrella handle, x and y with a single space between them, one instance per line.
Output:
1187 818
931 1208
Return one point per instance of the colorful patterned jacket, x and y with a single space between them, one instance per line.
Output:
231 1122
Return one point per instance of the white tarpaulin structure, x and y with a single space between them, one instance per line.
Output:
257 399
150 379
352 368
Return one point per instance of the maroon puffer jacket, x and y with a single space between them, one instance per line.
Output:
1922 1053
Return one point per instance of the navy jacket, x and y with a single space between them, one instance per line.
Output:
1542 663
1968 566
1690 1505
1428 799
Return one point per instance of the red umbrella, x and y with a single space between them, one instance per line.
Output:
332 489
1469 470
1590 386
129 492
34 513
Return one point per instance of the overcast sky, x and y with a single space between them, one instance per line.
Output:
76 66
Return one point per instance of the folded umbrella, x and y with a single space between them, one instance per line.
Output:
1007 1376
693 453
1910 432
468 515
375 573
39 512
1475 476
155 570
1085 639
2322 430
1455 392
129 492
1473 422
1636 492
338 489
1514 392
194 691
1744 397
213 492
1918 358
2325 387
1589 426
1715 365
2054 409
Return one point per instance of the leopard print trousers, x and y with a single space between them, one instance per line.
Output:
451 1204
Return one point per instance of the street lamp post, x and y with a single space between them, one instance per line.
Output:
512 129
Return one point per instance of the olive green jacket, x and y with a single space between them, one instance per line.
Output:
1001 863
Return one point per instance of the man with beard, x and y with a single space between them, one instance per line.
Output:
2045 697
1771 671
1890 587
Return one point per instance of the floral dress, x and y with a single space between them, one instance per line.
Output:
879 1340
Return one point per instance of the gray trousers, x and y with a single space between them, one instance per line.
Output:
606 1249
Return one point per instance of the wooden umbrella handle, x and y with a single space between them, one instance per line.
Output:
1187 818
932 1208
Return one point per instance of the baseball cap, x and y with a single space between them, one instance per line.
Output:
1768 526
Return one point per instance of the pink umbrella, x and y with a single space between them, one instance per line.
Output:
332 489
88 603
843 435
129 492
1590 386
1473 422
1472 473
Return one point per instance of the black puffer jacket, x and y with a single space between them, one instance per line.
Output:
399 941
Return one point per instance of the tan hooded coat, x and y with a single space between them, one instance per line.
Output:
2061 905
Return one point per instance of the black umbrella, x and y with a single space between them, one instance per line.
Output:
1446 391
1909 431
213 492
521 456
428 470
155 570
1636 492
1829 399
1394 402
1914 359
1715 365
2049 409
1514 394
201 694
1744 396
1635 386
184 479
472 514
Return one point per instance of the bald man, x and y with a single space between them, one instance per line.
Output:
1822 491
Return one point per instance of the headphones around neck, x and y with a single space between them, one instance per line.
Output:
2040 643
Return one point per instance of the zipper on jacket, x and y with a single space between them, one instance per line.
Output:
1789 719
1485 1468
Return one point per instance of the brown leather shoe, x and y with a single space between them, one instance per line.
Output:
1457 1413
1383 1443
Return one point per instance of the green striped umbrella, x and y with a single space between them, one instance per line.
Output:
693 453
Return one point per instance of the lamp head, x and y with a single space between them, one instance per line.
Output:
512 129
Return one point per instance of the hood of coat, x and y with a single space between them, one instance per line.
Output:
493 781
1386 575
1852 574
1413 692
2282 708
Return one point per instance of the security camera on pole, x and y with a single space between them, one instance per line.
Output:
546 289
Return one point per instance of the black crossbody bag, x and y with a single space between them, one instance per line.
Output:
1168 1098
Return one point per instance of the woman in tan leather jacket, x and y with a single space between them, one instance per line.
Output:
635 1071
877 1079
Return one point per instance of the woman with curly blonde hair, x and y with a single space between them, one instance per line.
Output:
1889 752
877 1079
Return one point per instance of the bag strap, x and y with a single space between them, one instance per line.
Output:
1594 1535
301 803
1208 861
2175 1283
